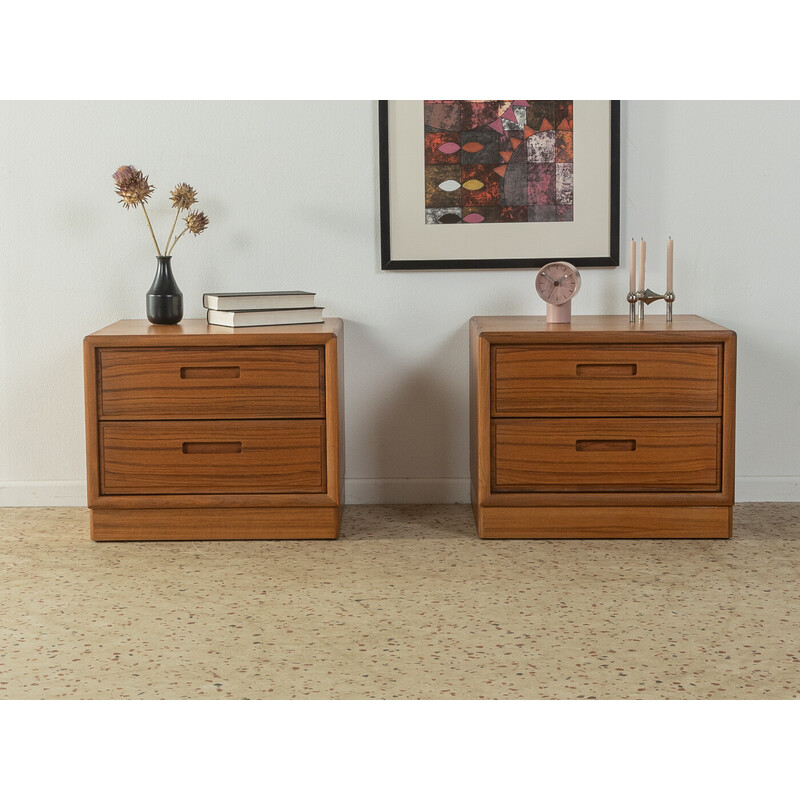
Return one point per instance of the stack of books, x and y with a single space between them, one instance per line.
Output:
243 309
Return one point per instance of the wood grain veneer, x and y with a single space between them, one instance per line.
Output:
197 431
228 382
212 457
606 522
625 454
607 380
599 328
576 426
175 524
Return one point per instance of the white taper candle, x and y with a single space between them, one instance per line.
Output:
669 263
642 258
632 267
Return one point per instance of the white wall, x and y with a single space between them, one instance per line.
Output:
291 189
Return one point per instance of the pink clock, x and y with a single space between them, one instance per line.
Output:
557 283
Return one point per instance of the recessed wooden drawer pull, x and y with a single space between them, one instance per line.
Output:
209 373
605 370
605 445
211 447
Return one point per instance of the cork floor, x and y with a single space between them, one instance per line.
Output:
407 604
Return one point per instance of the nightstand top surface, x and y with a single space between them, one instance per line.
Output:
192 331
589 325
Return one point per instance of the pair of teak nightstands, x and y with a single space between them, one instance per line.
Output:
596 428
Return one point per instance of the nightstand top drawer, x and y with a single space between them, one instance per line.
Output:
562 380
210 382
212 457
607 455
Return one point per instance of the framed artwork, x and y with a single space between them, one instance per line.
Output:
498 184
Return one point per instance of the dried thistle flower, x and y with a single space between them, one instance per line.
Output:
135 188
197 222
132 186
183 196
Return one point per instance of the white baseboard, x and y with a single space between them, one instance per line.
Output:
774 489
373 491
42 493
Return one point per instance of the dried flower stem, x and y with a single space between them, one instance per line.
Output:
158 250
176 240
166 247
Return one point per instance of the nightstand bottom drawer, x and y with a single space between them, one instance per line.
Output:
569 455
212 457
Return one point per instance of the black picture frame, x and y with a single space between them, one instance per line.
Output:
608 258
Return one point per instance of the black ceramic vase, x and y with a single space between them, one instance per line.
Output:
164 298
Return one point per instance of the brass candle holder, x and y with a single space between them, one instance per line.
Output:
645 297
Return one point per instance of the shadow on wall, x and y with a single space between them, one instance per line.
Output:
417 420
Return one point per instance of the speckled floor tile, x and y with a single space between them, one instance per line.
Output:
408 603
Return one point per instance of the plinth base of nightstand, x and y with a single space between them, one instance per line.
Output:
175 524
606 522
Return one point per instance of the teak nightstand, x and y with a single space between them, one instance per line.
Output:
602 428
196 431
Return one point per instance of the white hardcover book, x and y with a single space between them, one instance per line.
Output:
241 301
251 317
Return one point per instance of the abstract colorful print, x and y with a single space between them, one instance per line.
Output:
498 161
